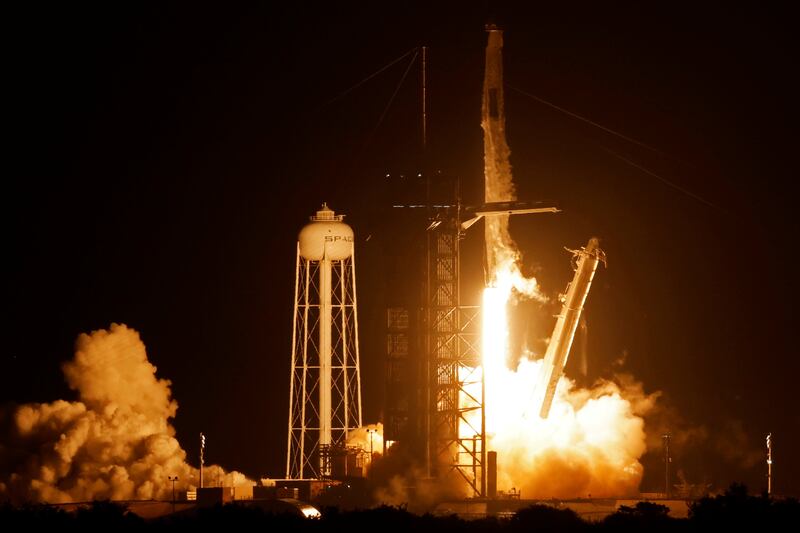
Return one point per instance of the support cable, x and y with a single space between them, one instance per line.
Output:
661 179
365 80
584 119
615 154
394 94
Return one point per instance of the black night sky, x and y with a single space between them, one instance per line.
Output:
162 160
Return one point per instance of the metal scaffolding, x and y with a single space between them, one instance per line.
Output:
455 442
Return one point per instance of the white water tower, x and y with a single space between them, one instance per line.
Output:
325 383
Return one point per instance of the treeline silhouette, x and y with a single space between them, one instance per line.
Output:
732 511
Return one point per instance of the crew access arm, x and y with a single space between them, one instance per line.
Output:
586 261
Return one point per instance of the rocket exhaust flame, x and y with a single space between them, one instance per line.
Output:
593 438
591 442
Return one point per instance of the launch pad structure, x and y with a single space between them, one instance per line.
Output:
434 348
447 336
444 333
435 398
454 364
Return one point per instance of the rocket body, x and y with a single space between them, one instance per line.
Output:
498 184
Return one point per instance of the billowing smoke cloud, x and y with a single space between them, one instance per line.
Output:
115 443
369 437
419 493
735 446
398 479
590 444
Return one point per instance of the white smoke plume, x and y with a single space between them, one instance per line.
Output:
116 442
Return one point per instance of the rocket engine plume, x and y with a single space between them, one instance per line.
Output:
593 438
115 443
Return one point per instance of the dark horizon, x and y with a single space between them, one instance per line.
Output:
163 160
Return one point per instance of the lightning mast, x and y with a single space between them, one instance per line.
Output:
769 464
452 367
202 457
667 461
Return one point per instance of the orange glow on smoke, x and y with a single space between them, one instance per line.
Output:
593 438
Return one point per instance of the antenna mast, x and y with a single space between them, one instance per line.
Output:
769 464
424 98
667 460
202 456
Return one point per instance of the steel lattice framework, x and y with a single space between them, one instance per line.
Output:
307 457
455 441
